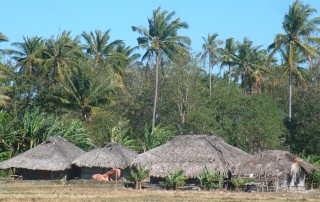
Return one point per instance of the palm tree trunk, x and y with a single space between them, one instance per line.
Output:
290 94
155 91
210 79
290 104
229 74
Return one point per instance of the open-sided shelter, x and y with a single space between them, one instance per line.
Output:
276 170
100 160
49 160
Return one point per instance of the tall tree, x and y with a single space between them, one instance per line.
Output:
123 57
3 38
161 40
3 78
98 45
211 51
3 89
60 54
227 56
83 90
29 54
249 61
298 36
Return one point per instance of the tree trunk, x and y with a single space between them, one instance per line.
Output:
229 74
290 94
155 91
210 79
290 104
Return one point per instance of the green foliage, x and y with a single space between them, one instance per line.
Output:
209 179
121 134
241 181
174 180
305 125
73 131
4 89
157 137
85 90
313 179
137 174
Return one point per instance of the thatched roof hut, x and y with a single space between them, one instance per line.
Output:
100 160
276 169
273 163
54 154
109 156
191 153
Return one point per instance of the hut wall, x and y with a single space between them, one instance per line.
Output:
43 174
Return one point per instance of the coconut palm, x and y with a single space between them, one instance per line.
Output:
250 65
29 54
98 46
298 36
161 40
60 54
3 38
3 89
227 56
84 90
122 58
211 51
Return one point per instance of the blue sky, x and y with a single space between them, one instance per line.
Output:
259 20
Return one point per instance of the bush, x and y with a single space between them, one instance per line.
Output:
137 174
241 181
209 179
174 180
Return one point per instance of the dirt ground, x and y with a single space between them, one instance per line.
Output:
19 190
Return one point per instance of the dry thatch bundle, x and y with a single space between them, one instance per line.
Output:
191 153
272 163
54 154
109 156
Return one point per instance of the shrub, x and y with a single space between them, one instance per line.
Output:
174 180
137 174
209 179
241 181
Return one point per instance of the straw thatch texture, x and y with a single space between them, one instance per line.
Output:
109 156
191 153
54 154
272 163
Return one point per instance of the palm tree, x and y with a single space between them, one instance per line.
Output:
84 90
98 46
298 30
250 65
122 58
60 54
29 54
161 40
3 89
3 38
227 56
211 50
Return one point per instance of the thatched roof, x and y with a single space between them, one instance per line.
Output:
272 163
191 153
54 154
109 156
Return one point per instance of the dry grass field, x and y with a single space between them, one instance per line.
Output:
54 191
